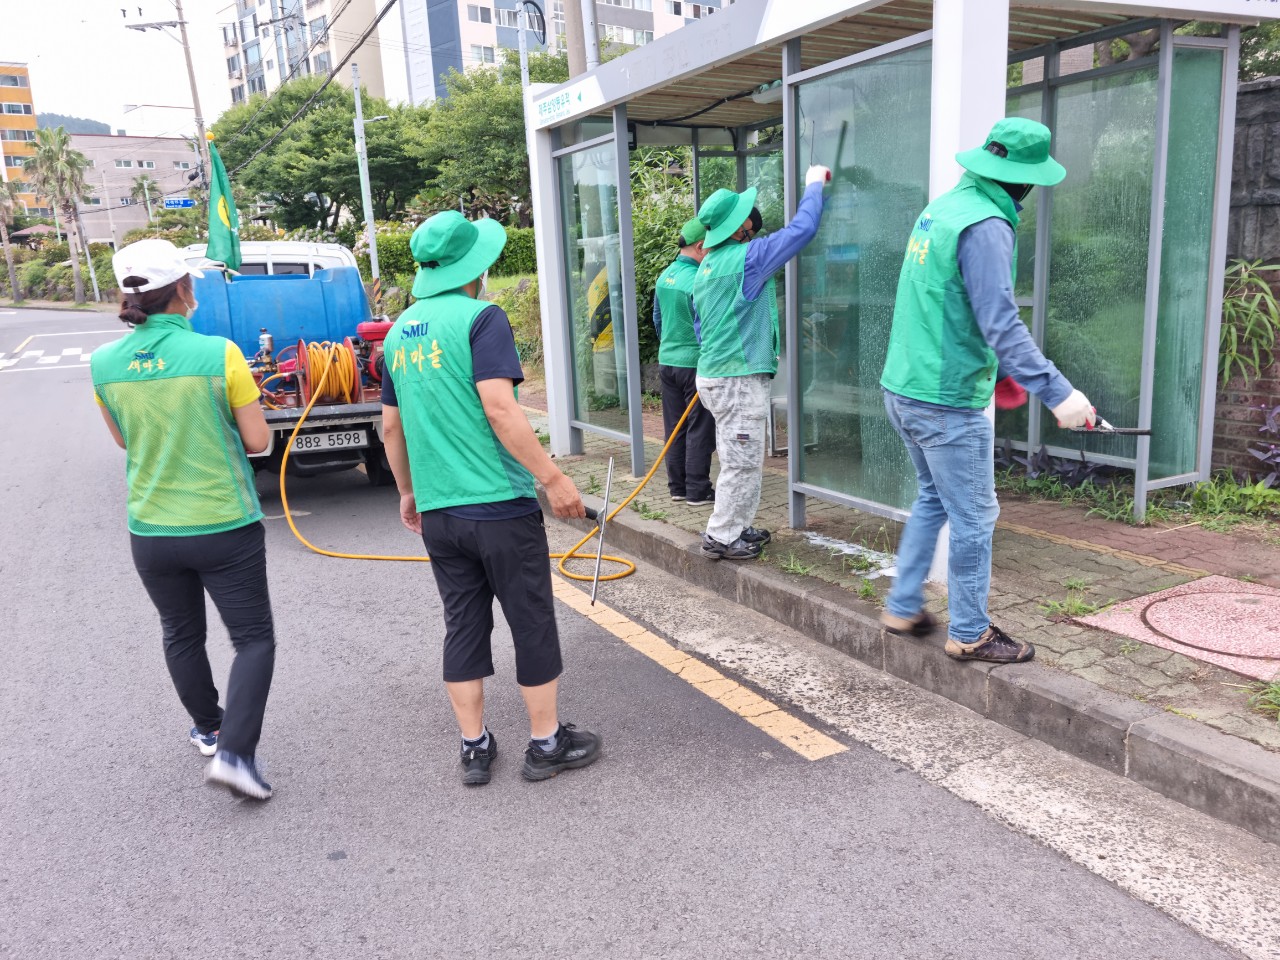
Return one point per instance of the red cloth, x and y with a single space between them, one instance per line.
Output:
1010 394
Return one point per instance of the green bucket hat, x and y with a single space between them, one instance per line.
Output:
723 213
1016 151
692 232
451 251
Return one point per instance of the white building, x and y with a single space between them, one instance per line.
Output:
116 163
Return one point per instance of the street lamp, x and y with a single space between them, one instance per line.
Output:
181 24
362 159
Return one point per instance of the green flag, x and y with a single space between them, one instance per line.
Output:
224 222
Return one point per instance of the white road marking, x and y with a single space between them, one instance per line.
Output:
57 369
78 333
8 363
280 516
54 359
33 353
72 351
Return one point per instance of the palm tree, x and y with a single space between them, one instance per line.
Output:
8 207
144 187
57 172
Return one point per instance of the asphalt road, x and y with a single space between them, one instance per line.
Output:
697 835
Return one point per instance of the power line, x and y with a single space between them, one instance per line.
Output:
310 100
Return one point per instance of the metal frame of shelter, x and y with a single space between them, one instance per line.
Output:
696 75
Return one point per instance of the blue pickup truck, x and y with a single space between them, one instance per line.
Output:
305 332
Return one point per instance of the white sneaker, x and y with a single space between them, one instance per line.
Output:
238 774
206 743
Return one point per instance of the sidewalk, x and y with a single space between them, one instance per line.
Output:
108 305
1043 553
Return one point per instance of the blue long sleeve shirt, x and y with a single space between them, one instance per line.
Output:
985 254
767 255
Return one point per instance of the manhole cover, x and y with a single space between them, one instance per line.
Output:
1237 624
1222 621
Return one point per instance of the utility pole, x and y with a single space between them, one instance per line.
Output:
574 38
88 256
362 158
590 34
524 50
111 220
181 24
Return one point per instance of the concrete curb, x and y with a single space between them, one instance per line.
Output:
69 307
1229 779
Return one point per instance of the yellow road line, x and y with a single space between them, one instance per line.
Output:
1129 555
18 348
750 706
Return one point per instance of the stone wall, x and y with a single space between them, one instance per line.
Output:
1254 234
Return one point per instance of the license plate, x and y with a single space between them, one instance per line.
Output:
335 440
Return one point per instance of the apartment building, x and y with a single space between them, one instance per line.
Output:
266 42
18 130
115 165
461 35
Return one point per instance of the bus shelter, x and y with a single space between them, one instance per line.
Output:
1120 267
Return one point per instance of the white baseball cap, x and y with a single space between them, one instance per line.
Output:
156 261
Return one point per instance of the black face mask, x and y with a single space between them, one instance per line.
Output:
1018 191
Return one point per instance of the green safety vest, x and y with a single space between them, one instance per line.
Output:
674 292
739 336
936 351
454 456
165 387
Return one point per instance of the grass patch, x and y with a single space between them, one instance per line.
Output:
793 564
1264 698
867 591
593 486
1076 583
495 284
646 512
1074 606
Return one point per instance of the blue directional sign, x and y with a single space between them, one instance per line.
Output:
177 203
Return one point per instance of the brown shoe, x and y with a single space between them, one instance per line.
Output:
921 625
994 646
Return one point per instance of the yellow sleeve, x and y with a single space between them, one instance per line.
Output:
97 399
241 388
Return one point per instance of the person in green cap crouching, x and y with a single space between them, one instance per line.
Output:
465 458
689 458
737 309
955 323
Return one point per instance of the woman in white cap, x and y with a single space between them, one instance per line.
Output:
184 407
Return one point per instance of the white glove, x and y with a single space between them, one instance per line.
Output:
817 174
1075 411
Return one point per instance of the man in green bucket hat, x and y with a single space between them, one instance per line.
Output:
737 306
955 323
689 457
465 459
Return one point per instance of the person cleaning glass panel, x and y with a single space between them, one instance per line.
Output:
465 458
736 302
689 457
184 407
955 324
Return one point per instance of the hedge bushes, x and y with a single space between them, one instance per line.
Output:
396 259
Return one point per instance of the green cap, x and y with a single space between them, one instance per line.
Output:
724 213
451 251
1025 148
692 232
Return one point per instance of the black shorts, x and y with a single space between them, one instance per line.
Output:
477 560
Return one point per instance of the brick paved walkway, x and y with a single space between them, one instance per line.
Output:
1043 552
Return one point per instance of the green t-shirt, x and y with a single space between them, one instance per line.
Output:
678 345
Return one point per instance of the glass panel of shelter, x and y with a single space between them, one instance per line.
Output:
870 124
593 291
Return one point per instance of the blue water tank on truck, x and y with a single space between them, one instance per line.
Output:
292 328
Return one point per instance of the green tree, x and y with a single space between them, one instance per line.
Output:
8 207
309 172
57 172
144 188
475 140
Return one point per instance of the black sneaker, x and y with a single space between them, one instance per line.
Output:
740 549
756 535
994 646
576 748
238 774
710 498
476 762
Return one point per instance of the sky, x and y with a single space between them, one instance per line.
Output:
85 63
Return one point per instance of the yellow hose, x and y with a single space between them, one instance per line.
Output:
323 357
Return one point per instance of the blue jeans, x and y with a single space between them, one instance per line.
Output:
953 453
